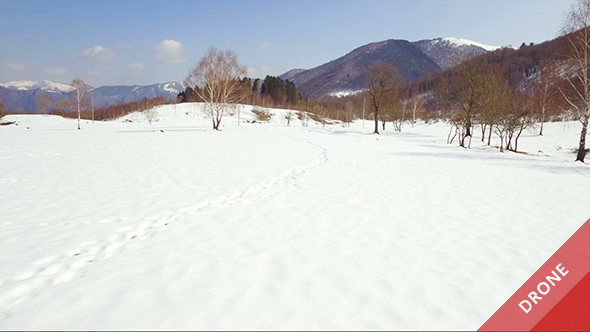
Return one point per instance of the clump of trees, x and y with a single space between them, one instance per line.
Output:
283 93
272 92
478 93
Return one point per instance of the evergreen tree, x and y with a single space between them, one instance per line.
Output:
293 96
256 85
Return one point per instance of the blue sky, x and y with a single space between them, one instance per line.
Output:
112 42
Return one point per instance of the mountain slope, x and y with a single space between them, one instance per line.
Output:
412 59
291 73
347 72
449 52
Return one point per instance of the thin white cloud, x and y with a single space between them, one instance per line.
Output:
56 70
98 53
135 69
250 71
93 73
264 46
124 45
169 51
16 66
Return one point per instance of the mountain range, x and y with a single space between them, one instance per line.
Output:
342 76
413 60
20 95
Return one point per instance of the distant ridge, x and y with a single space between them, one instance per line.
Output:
19 95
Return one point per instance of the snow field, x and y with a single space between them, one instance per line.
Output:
268 227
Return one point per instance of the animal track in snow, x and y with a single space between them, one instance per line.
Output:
63 268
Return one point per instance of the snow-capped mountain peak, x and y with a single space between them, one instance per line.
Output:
56 87
45 85
462 42
174 87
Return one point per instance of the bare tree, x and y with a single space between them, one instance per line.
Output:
545 88
2 110
217 78
304 118
151 114
576 28
387 113
289 116
398 115
514 120
42 103
78 96
62 105
417 107
496 100
348 110
383 82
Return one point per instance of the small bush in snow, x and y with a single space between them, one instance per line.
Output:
302 116
151 114
262 115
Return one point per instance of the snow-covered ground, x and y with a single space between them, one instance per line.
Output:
127 225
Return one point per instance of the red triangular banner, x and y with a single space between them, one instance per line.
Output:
572 313
556 289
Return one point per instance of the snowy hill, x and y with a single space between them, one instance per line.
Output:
173 226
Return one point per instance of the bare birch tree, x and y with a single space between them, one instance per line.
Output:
151 114
576 28
417 107
544 87
348 110
217 78
78 96
289 116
